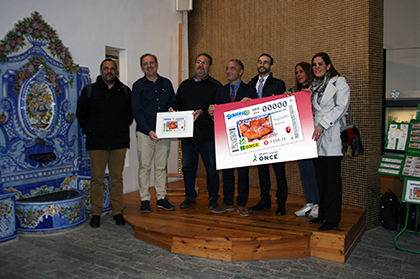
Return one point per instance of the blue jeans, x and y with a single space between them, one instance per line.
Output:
308 178
190 151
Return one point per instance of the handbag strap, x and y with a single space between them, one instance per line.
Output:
350 116
343 119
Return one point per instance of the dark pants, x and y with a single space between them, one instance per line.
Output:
265 183
328 176
190 151
308 178
229 186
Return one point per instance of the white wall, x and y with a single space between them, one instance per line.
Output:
87 26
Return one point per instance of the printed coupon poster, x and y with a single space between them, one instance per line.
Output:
264 131
412 191
175 124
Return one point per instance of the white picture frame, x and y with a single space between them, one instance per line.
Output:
178 124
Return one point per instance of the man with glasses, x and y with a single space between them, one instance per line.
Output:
196 94
266 85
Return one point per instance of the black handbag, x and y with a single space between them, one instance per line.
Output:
351 139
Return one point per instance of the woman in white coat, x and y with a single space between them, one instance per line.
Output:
330 101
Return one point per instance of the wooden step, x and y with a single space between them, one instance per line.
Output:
263 235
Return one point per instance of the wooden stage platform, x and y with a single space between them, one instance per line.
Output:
263 235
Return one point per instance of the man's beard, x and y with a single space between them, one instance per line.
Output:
264 71
108 79
203 73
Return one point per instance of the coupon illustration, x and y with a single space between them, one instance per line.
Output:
263 126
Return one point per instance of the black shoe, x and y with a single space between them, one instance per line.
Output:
281 209
119 220
165 204
260 206
95 222
317 221
327 226
145 207
187 203
213 204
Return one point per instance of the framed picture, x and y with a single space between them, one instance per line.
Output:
178 124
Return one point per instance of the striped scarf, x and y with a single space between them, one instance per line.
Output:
318 86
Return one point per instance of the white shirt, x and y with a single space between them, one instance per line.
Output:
263 80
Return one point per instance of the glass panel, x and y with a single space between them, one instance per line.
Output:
399 114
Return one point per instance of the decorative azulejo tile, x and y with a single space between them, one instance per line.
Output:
42 148
55 211
7 217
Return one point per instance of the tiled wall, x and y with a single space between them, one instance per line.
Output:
42 147
351 32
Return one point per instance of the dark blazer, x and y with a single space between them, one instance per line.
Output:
272 86
223 93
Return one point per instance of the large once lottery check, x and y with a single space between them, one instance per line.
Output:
264 131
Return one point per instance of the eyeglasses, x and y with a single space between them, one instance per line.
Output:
201 62
319 64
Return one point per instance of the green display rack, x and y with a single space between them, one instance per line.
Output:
411 196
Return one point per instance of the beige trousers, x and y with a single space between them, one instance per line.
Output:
147 150
98 161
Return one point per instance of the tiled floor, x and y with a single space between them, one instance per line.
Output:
113 252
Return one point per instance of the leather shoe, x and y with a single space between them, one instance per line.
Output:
242 211
145 207
260 206
317 221
327 226
187 203
213 204
95 222
119 220
281 209
223 208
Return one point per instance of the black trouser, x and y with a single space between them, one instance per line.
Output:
328 178
265 183
229 186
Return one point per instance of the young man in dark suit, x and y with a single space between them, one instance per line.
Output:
266 85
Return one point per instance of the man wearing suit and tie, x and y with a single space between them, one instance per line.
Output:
236 90
266 85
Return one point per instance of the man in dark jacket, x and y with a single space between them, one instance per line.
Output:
266 85
234 91
152 94
104 113
196 94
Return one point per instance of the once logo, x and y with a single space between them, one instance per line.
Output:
268 157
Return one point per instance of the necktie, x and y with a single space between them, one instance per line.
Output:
232 94
260 88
